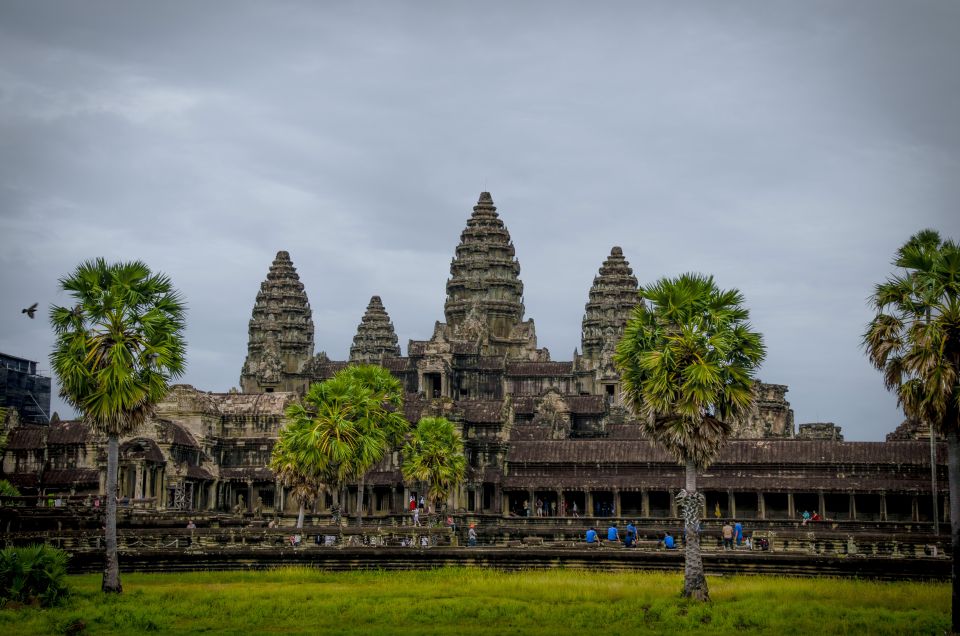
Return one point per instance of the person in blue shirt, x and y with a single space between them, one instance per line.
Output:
738 532
612 534
668 542
631 537
592 536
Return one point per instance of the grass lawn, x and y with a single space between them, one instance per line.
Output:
475 601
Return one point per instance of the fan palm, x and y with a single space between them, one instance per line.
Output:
115 353
304 486
379 417
344 426
914 339
434 456
687 360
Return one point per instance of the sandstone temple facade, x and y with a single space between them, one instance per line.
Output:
534 428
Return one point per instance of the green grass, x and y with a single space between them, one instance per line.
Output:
476 601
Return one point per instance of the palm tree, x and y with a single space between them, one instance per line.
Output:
304 486
343 426
687 360
378 404
914 339
434 456
115 353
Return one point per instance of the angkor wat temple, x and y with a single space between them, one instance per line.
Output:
534 428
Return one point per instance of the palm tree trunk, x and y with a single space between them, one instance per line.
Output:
694 580
360 501
300 515
111 570
953 481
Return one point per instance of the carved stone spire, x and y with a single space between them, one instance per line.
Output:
281 331
375 337
484 285
612 299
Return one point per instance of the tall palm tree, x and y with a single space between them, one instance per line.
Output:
344 426
914 339
378 411
687 360
304 486
434 456
115 353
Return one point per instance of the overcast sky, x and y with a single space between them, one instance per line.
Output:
786 148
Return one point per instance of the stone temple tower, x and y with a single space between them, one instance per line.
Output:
281 332
376 338
613 296
484 292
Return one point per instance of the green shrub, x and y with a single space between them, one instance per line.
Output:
35 574
7 489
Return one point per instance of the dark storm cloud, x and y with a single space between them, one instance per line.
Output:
787 148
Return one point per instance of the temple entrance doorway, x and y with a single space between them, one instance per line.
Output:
631 504
745 504
432 385
806 502
659 503
777 505
549 500
603 503
572 497
836 506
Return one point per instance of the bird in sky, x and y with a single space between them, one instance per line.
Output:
30 311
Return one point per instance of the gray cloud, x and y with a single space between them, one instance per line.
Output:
787 148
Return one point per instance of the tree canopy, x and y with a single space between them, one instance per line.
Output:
687 361
434 456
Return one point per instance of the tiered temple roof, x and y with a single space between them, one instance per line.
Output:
281 330
375 338
484 274
612 299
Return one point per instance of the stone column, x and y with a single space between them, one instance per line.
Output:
883 506
249 495
559 501
645 503
853 507
588 503
761 506
731 505
822 505
914 509
673 506
138 481
617 511
791 509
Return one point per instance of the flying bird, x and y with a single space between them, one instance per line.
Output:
30 311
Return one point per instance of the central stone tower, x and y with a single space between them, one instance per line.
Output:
484 293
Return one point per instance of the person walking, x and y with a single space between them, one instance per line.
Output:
738 533
727 534
472 536
416 516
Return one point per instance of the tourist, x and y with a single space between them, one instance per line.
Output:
563 508
472 536
738 533
727 534
191 525
553 508
526 507
539 507
416 516
806 516
816 517
668 541
630 539
413 503
421 505
612 534
576 513
592 536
